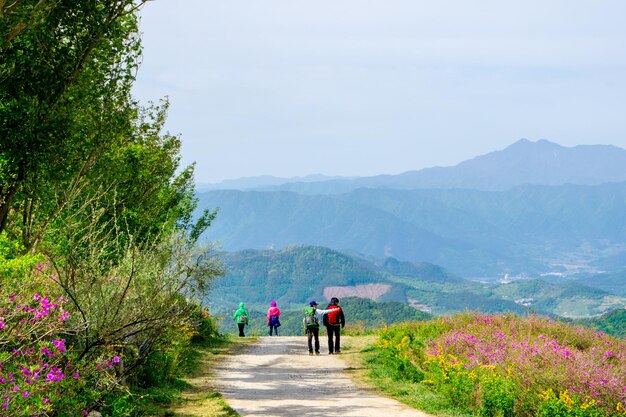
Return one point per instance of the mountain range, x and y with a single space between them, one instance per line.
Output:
535 210
476 234
524 162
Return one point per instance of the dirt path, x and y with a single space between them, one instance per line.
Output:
277 377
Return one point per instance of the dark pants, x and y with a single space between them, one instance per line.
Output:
336 332
313 333
275 329
240 325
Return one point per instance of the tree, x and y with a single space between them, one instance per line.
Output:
89 178
62 63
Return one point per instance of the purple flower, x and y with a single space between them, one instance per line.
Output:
25 394
55 375
116 359
60 345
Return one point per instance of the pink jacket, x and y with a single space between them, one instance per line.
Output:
273 311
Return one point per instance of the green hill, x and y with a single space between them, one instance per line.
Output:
613 323
295 275
292 276
569 299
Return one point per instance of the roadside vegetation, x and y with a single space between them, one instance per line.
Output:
500 365
100 268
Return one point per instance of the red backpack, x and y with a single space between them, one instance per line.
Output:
333 316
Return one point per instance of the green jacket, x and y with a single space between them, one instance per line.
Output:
241 315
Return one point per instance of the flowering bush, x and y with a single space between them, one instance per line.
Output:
505 365
38 371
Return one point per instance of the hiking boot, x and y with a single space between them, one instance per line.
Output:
337 351
310 353
317 353
330 353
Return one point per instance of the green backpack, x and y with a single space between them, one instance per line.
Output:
310 319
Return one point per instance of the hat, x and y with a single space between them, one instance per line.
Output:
273 304
312 303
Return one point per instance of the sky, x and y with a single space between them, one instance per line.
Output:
360 87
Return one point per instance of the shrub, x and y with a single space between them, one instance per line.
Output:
39 371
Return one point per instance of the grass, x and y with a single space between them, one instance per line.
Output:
195 395
364 369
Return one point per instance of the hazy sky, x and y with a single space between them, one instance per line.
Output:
358 87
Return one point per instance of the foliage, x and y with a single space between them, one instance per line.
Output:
92 189
507 365
613 323
295 275
39 370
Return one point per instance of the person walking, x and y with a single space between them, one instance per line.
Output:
241 316
273 315
334 322
311 322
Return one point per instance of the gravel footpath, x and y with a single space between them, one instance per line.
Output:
277 377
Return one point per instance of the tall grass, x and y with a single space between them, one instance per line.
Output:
505 365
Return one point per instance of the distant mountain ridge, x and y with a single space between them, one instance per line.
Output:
263 181
522 163
472 233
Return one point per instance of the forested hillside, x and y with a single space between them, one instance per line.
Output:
298 274
613 323
529 229
292 277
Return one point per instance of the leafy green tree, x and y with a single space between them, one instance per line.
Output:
90 180
66 68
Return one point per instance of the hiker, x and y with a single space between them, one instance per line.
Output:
273 314
241 316
311 322
334 322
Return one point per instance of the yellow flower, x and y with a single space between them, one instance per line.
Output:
588 403
566 399
546 395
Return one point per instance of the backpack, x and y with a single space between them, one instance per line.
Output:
310 319
243 318
333 316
